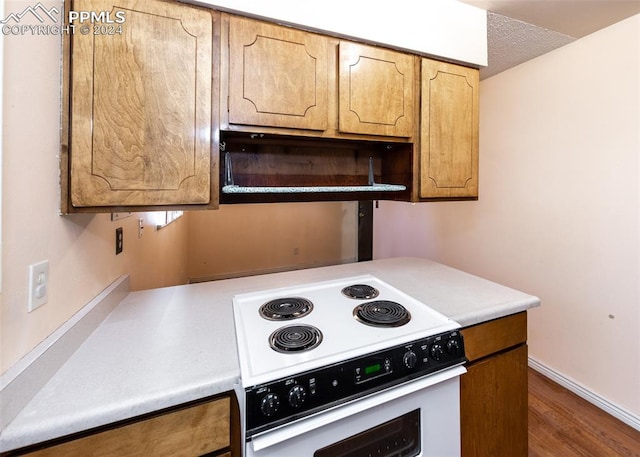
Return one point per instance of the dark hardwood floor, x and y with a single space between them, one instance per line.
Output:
561 424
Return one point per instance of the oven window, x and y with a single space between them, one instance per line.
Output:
399 437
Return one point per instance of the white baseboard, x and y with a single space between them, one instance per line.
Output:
609 407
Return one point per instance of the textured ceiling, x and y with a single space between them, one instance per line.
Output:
520 30
511 42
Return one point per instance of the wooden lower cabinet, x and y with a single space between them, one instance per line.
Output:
493 392
203 429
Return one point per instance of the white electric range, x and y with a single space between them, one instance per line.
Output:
326 353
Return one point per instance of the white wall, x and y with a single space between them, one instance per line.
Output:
559 208
80 248
446 28
1 136
248 239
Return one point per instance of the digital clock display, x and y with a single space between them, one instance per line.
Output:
372 369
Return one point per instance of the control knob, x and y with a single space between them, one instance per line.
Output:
453 347
436 351
297 395
269 404
410 359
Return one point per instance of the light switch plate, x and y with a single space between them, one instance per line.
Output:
38 285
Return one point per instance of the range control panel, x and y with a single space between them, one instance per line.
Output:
284 400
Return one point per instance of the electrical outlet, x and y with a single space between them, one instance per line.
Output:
38 285
119 240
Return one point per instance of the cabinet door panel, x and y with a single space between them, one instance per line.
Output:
141 107
277 76
449 131
376 91
494 408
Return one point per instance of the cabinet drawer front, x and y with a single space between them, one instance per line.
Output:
189 432
484 339
277 76
376 91
141 107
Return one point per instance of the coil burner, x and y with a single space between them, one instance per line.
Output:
382 313
360 291
282 309
295 338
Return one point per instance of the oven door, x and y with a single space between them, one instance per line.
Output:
419 418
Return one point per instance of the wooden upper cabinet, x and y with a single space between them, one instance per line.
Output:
141 107
449 131
376 89
277 76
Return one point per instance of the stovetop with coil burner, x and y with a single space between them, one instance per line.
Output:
290 330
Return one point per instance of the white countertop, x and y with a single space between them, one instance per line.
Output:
164 347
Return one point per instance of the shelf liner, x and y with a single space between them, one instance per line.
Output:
233 189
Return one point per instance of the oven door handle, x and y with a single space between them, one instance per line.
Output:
271 437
